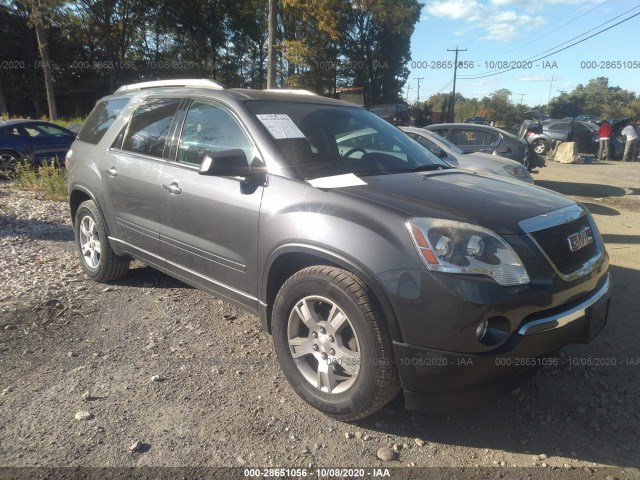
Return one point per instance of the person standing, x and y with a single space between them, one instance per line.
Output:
604 139
630 145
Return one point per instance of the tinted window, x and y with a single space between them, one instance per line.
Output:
491 138
559 127
149 126
9 132
580 128
210 128
52 131
101 118
468 137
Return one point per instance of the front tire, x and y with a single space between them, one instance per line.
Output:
332 343
98 259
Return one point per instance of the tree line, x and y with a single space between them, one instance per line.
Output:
596 98
59 57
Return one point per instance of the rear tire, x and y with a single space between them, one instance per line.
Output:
540 147
98 259
332 343
8 164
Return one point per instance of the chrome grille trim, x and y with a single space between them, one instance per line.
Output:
559 217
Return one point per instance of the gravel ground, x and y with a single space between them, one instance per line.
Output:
150 372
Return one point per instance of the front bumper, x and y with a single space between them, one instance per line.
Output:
443 380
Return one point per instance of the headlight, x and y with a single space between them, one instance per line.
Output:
517 171
456 247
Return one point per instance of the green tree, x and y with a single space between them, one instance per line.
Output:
422 113
596 98
377 46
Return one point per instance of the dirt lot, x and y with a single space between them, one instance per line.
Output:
86 369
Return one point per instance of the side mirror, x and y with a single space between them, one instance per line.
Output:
438 152
226 163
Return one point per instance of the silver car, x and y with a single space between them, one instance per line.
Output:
473 161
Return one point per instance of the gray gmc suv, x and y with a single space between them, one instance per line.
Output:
375 266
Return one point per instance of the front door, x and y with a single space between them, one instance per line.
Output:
210 224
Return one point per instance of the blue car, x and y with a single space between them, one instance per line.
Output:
35 141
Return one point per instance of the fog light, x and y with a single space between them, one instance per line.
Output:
481 331
493 331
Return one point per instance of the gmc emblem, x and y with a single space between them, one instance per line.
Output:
581 239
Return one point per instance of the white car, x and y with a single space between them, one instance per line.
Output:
474 161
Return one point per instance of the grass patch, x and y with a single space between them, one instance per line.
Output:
46 180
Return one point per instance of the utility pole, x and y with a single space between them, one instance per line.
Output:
271 48
549 101
455 72
408 90
521 95
418 95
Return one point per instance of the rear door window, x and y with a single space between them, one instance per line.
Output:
466 136
560 127
149 126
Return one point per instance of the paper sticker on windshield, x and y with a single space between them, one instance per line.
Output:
280 125
336 181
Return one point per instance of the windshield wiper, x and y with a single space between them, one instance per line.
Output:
430 168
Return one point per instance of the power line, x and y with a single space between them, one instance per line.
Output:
591 30
537 38
560 50
442 88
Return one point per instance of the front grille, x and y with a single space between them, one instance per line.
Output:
554 242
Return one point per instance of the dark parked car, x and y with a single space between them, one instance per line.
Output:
486 139
34 141
584 134
394 113
476 162
583 118
477 120
374 266
617 140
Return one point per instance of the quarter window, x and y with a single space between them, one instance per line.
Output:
210 128
100 120
149 126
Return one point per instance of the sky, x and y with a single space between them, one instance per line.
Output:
502 34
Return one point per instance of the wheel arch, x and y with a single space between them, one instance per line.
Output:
286 260
12 151
76 196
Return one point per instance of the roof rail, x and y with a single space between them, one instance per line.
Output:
183 82
295 91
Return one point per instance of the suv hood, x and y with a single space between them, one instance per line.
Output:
495 203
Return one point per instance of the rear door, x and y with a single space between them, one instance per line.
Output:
132 169
209 229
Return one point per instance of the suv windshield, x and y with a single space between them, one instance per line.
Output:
318 140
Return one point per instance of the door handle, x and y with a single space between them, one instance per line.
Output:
172 188
112 172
